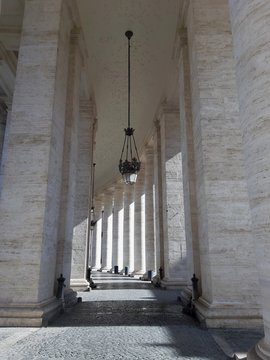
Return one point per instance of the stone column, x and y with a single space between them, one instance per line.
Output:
128 251
81 233
189 176
31 179
70 160
106 247
251 26
158 201
96 243
224 221
139 224
118 218
150 258
175 254
3 118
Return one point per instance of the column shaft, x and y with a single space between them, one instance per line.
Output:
70 160
175 256
81 242
117 251
250 25
139 231
31 182
106 248
226 245
128 244
189 176
150 257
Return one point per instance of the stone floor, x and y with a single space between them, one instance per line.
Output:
124 318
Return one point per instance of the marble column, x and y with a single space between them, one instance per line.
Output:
70 160
128 242
251 26
106 247
189 176
139 223
81 233
31 178
150 256
175 254
224 219
118 226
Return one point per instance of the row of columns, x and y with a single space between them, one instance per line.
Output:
224 98
139 213
224 108
45 172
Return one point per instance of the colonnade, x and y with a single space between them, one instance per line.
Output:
133 241
201 203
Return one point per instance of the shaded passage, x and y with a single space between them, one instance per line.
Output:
123 318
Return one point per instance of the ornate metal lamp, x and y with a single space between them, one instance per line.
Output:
129 164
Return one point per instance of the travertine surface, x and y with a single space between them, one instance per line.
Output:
128 241
226 244
31 179
251 25
70 161
150 260
95 254
139 223
118 218
82 200
187 150
106 240
175 255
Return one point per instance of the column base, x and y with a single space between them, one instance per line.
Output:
185 296
79 284
95 268
228 315
32 315
70 297
261 351
138 272
173 283
104 269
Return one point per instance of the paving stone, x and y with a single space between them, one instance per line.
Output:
115 321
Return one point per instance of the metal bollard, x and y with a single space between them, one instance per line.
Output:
195 289
116 269
126 270
160 273
60 289
149 275
88 274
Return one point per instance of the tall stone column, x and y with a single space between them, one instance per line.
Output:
95 249
139 230
189 176
175 254
251 26
128 243
106 247
158 200
70 160
3 118
81 233
118 226
31 179
224 221
150 256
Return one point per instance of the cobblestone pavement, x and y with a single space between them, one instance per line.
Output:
123 318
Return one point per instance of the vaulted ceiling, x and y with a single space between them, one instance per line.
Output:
153 69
